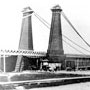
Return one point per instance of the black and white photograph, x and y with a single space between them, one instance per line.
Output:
45 45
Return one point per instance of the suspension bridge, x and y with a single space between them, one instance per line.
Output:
25 56
29 68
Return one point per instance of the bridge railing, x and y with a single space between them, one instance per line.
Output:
22 52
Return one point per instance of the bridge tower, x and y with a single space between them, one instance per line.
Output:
55 50
26 39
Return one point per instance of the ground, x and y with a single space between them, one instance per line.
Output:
79 86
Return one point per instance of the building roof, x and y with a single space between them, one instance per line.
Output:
77 56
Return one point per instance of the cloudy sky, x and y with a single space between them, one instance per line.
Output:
78 12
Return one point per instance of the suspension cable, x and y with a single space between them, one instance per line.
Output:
42 21
45 22
75 43
73 47
74 28
41 18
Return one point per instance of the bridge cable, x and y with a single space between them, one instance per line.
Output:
75 43
74 28
43 21
41 18
74 47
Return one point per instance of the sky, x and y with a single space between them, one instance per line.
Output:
78 12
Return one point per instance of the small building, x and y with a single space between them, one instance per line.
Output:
77 62
30 60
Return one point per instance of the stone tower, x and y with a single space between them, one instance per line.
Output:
26 40
55 48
